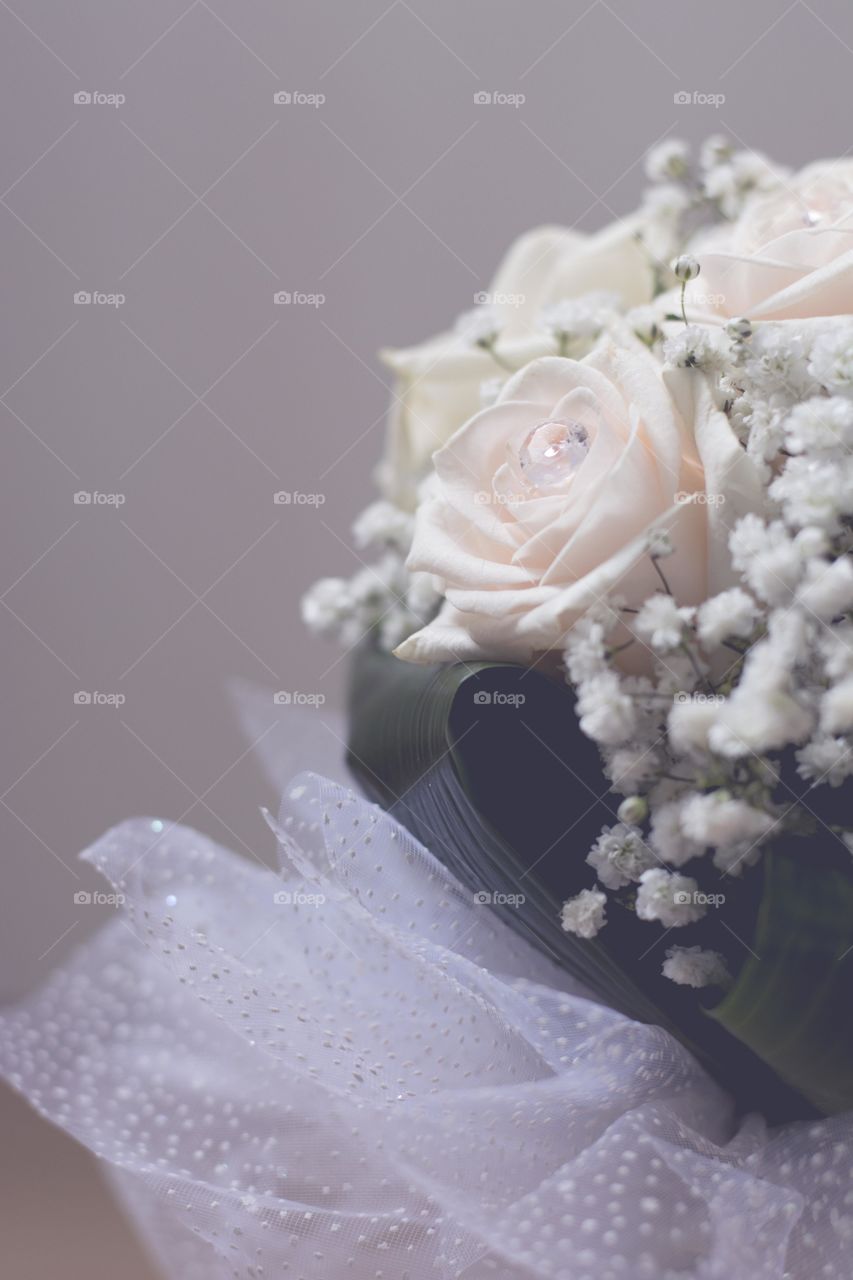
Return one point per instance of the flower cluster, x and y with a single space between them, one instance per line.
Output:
637 454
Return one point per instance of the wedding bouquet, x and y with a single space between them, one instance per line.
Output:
602 691
617 509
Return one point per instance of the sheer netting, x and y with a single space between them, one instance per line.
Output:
351 1068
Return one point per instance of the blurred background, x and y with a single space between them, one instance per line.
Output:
148 167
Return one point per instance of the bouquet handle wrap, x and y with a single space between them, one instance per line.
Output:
510 794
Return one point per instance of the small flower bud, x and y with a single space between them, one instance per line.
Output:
685 268
659 544
632 811
740 329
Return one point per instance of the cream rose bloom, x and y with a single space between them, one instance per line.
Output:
789 256
543 503
439 382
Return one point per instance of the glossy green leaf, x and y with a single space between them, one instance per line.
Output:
793 1000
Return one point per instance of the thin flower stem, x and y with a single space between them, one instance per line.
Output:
697 670
619 648
659 571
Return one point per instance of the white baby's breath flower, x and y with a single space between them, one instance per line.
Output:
325 604
377 584
827 589
836 708
767 557
676 674
669 897
584 915
660 544
790 634
764 423
383 524
620 856
730 615
668 159
667 834
763 712
631 767
722 820
580 318
479 327
815 492
662 217
737 177
812 541
822 424
374 597
664 204
696 346
836 648
776 364
586 649
661 622
693 967
689 722
758 719
825 760
831 362
733 860
606 712
716 149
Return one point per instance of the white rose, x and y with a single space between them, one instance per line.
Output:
439 381
789 256
543 503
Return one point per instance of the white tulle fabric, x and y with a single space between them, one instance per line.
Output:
350 1068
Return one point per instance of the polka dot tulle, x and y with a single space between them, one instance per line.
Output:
350 1068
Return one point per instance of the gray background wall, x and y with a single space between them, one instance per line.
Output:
197 198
